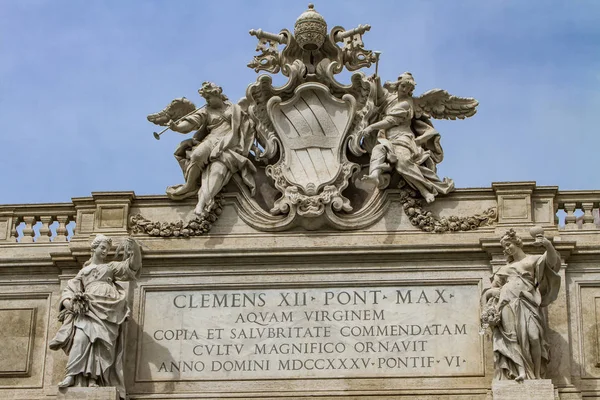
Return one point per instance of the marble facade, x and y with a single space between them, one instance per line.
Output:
312 251
313 289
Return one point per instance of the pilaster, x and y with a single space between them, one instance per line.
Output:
514 203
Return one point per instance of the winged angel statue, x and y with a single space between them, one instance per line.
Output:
218 149
403 137
313 134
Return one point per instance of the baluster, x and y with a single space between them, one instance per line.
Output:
28 232
14 235
588 216
61 230
74 228
571 219
45 232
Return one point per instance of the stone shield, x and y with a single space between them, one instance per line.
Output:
312 127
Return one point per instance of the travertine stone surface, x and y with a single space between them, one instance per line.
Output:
312 251
111 212
24 320
327 332
88 393
17 331
515 203
390 255
535 389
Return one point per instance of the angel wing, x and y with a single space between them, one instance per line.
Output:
174 111
439 104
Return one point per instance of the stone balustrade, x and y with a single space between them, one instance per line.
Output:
580 209
42 246
37 223
56 222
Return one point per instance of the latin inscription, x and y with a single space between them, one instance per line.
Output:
316 332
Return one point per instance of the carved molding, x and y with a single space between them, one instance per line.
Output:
197 226
426 221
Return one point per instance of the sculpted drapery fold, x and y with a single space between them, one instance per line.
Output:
219 148
93 310
520 293
401 136
311 134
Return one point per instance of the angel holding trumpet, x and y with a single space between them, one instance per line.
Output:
403 137
219 148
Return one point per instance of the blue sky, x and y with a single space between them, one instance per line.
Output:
77 79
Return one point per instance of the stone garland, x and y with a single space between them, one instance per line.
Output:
490 317
195 227
426 221
412 205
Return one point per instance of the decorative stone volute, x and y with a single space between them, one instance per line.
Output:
310 29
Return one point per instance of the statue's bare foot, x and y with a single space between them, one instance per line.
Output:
520 378
176 190
67 382
199 211
371 178
429 198
93 383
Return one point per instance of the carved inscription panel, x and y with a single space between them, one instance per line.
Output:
193 334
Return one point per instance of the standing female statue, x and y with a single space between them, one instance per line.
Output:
520 291
93 310
219 148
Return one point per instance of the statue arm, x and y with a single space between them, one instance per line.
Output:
130 268
499 281
385 123
552 256
547 266
489 293
392 118
73 285
196 121
181 127
380 92
135 258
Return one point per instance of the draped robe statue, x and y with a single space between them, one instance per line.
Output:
93 311
219 148
520 292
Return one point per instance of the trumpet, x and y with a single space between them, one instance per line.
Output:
157 134
377 54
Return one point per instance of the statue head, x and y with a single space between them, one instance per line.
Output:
100 239
511 243
406 84
100 247
213 94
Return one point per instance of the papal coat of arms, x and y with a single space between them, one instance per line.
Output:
314 151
